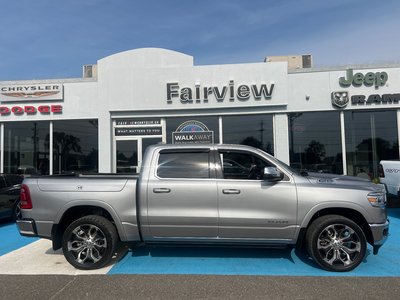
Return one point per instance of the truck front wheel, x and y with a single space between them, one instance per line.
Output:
89 242
336 243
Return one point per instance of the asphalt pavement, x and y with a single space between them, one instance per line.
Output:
195 287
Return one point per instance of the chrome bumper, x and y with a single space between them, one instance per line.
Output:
380 233
27 227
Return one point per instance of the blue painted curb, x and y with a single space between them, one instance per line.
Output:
10 239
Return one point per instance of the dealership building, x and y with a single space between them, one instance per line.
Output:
343 120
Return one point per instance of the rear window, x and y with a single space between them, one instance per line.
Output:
184 165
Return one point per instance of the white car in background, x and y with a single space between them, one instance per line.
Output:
389 175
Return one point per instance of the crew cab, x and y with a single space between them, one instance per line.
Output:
207 194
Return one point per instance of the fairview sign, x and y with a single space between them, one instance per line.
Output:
230 92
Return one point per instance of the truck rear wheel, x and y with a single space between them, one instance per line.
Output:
89 242
336 243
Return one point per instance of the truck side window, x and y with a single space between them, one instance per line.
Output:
184 165
242 165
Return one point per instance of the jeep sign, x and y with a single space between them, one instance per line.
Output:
378 79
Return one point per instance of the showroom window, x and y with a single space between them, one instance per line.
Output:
26 148
75 146
370 137
251 130
315 142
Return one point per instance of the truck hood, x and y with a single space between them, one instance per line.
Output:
343 180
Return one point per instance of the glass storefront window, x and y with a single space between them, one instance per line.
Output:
127 156
315 143
251 130
370 137
180 127
26 148
75 146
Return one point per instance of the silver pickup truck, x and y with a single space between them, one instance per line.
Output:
207 194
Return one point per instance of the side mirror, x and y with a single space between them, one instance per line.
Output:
272 174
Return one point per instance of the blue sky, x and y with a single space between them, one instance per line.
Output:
44 39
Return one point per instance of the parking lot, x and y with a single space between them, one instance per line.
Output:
29 268
20 255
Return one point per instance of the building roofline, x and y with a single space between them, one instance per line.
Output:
344 67
45 81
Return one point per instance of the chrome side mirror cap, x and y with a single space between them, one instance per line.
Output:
272 174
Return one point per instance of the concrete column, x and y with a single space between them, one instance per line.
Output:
105 142
281 137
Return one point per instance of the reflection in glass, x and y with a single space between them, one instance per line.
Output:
148 142
127 156
251 130
241 165
370 137
26 148
75 146
184 165
315 143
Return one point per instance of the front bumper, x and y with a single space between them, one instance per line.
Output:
27 227
380 233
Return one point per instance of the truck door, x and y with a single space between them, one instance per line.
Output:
250 207
182 196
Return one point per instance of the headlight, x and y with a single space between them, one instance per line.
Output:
377 199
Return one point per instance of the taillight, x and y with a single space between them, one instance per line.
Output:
380 171
25 197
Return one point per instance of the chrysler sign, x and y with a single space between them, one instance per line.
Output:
31 92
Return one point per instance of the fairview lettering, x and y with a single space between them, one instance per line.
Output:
200 94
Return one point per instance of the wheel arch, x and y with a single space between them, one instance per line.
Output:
78 211
350 213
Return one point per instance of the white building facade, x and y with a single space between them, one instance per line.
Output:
340 121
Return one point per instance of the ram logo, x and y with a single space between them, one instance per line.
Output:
340 99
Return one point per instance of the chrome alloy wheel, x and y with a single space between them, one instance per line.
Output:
339 244
87 244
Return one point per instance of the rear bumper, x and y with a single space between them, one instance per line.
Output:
27 227
380 233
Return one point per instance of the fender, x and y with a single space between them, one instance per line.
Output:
97 203
331 205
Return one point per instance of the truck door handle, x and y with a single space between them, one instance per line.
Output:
231 191
161 190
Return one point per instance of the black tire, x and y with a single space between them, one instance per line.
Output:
336 243
89 242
